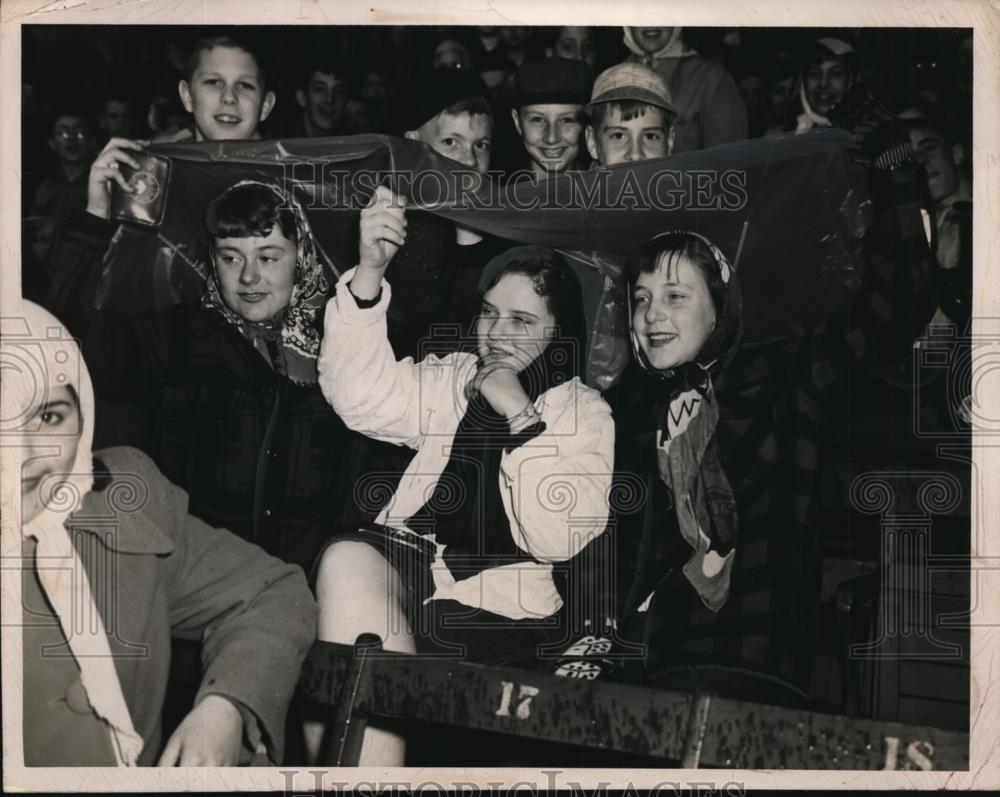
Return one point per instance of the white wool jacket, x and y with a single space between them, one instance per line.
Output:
554 487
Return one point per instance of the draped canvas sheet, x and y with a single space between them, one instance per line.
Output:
781 208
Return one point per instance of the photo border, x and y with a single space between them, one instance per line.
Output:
983 17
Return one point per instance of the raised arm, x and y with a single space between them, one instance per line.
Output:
358 372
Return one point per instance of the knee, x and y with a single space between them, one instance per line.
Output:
343 565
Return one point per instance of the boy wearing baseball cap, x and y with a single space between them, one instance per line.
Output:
630 115
547 110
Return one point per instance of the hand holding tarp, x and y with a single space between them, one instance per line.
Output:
383 231
107 169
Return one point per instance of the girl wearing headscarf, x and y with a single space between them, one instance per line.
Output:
512 466
106 539
720 562
827 74
224 396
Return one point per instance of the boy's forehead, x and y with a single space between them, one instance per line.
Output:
645 116
551 107
468 124
224 57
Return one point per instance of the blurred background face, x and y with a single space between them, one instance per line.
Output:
118 120
779 95
826 84
575 44
652 40
451 55
514 325
672 312
323 100
70 140
256 275
357 118
497 78
752 90
373 88
462 137
514 36
51 435
939 159
551 135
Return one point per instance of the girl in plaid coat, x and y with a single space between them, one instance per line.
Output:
224 396
720 561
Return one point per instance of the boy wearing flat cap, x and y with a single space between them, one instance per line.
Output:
449 111
548 113
631 116
438 268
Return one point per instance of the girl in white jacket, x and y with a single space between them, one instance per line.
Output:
512 470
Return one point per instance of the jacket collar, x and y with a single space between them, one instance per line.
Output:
107 513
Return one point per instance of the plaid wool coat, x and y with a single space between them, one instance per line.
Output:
776 403
257 454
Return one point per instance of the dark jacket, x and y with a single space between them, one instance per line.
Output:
157 572
437 282
776 403
258 454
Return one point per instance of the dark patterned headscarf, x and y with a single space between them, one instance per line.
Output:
290 339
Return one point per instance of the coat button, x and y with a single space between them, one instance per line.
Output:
76 698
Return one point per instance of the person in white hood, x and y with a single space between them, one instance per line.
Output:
826 76
114 568
710 109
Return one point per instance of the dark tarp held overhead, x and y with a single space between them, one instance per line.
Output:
781 208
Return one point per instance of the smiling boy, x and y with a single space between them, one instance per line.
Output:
322 95
548 112
631 116
225 90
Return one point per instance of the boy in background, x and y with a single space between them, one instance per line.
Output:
322 96
63 193
439 267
